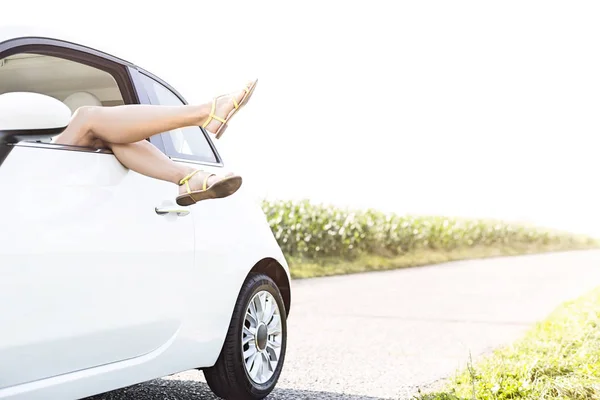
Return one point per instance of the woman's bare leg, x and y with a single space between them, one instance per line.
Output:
132 123
143 157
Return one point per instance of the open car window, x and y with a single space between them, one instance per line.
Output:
76 84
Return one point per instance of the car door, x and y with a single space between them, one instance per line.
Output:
93 258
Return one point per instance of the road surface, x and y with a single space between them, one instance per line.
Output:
383 335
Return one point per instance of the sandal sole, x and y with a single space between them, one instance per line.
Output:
223 188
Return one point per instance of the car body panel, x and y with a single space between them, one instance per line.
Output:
83 260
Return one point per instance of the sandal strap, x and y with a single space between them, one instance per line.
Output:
235 103
206 181
186 180
212 114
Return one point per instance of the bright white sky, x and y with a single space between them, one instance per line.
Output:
461 108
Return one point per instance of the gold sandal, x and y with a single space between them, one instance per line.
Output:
222 188
221 130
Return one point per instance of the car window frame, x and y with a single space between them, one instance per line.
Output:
173 155
123 72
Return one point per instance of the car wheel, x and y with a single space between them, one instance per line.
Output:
254 350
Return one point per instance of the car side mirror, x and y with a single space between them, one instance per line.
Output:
29 116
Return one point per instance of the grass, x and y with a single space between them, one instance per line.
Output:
327 266
558 358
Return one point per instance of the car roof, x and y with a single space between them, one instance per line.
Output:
24 31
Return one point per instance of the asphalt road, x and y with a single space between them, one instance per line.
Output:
383 335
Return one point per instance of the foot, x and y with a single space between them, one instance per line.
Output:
225 105
197 181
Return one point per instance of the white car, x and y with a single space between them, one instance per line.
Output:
105 281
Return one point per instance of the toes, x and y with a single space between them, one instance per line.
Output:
215 178
239 96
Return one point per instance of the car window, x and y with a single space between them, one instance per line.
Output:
73 83
187 143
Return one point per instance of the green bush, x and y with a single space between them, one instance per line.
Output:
307 230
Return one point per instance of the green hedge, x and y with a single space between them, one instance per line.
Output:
308 230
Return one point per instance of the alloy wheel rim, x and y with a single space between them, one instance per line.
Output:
261 337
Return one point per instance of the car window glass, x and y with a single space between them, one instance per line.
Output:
187 143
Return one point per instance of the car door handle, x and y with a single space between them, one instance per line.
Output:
168 210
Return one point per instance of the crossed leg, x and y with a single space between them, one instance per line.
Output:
124 129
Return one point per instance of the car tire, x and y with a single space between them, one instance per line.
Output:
232 375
